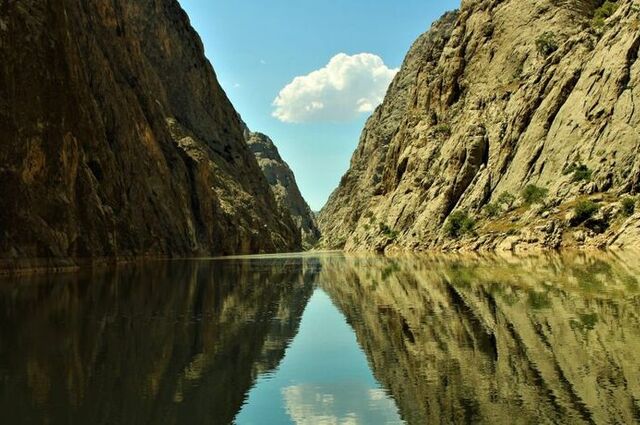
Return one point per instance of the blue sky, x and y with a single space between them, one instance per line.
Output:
258 47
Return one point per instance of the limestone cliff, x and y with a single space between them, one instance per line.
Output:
511 124
118 141
284 187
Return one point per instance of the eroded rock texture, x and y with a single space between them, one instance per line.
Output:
497 96
117 139
284 187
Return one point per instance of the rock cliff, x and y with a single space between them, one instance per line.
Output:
284 187
118 141
511 125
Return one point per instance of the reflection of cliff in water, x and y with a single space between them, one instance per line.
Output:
549 340
164 343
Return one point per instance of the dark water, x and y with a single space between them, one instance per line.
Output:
326 339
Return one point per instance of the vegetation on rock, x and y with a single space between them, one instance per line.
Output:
580 172
512 119
628 206
602 13
584 210
546 43
504 202
533 194
388 231
459 223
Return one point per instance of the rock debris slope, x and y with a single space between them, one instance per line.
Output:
117 140
511 125
284 187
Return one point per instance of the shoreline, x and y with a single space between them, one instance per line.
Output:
42 266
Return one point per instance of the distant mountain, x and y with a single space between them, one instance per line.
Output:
284 187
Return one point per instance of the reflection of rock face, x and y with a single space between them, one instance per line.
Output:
161 344
284 187
117 139
490 342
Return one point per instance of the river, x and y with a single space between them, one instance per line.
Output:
326 338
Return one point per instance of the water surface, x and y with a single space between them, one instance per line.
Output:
326 339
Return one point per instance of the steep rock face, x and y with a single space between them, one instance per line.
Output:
497 96
284 187
117 139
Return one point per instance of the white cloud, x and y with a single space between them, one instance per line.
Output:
345 88
263 62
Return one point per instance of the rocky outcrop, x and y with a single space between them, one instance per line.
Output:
495 98
284 187
118 141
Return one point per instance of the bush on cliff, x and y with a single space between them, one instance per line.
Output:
546 43
628 207
533 194
459 223
605 11
583 211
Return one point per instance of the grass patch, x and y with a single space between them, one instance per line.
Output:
506 198
580 172
443 130
492 209
388 231
502 203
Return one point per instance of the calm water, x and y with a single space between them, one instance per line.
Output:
326 339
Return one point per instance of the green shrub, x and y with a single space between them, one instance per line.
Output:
492 209
547 43
443 130
533 194
580 172
459 223
387 231
605 11
584 210
506 198
628 207
503 202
